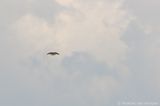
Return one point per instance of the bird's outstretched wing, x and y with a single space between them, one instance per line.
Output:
53 53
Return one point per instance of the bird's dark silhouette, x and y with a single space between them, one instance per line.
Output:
52 53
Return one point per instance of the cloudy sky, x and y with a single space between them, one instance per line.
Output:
109 52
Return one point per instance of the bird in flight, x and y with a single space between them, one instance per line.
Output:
52 53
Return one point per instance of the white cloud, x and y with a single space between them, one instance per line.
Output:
101 36
145 13
99 86
81 30
64 2
143 61
92 66
152 53
94 28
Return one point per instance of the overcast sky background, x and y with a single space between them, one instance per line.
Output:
109 52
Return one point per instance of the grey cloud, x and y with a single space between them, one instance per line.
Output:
11 11
140 85
84 63
145 10
45 9
28 77
37 80
32 81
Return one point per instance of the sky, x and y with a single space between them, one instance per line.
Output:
109 53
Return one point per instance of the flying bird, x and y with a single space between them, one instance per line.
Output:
52 53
